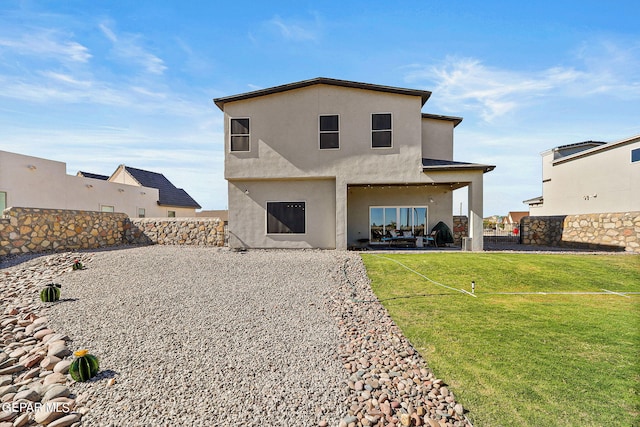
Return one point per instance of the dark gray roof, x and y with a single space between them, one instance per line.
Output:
424 94
581 144
92 175
456 120
438 164
169 194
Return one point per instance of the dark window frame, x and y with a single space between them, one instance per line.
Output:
281 217
237 136
378 132
328 132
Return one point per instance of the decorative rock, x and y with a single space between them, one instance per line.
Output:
44 416
459 409
27 394
11 369
65 421
7 389
54 378
5 380
21 421
49 362
62 366
56 391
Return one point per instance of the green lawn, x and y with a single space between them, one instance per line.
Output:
523 360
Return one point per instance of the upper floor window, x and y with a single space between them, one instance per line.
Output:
635 155
329 132
240 134
381 130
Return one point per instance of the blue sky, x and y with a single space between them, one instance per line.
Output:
99 83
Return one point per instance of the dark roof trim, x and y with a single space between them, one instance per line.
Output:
580 144
456 120
448 165
535 201
92 175
424 94
597 149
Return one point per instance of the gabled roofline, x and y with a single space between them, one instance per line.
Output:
456 120
423 94
124 167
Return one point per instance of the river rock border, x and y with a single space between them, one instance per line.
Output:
35 387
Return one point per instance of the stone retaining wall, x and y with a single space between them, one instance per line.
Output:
460 229
26 230
176 231
610 231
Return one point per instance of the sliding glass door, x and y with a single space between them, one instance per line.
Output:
385 221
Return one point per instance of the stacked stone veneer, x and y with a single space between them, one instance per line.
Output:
176 231
460 229
26 230
594 231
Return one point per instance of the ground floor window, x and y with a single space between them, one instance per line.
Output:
394 221
106 208
286 218
142 212
3 201
171 214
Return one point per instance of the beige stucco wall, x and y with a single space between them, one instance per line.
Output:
434 135
284 136
48 186
605 181
248 218
360 199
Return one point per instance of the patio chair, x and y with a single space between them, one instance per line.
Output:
431 238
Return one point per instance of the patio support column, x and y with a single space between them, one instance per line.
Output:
475 213
341 214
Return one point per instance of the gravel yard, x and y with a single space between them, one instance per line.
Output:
203 336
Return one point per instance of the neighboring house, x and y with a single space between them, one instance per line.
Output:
27 181
589 177
512 220
327 163
172 201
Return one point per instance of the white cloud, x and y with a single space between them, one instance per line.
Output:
126 46
47 43
600 68
296 30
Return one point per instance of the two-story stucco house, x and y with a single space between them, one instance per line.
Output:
589 177
327 163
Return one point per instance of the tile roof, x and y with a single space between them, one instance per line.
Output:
169 194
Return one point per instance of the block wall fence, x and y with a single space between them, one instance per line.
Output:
607 231
31 230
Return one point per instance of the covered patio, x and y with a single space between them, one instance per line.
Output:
387 215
